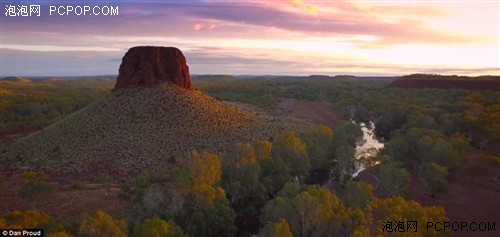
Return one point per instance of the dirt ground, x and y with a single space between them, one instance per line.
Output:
315 111
13 134
469 199
65 203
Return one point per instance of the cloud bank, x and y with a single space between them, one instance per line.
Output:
268 37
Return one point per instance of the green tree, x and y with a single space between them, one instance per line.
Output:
215 219
102 225
417 145
293 152
435 177
282 208
421 120
29 219
318 140
334 216
344 150
357 194
409 145
396 209
347 133
263 149
32 219
343 164
204 168
278 229
205 171
483 127
207 211
309 210
34 186
274 174
398 147
241 180
441 152
393 118
156 227
241 172
393 180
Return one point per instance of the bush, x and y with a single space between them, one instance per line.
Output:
34 187
78 185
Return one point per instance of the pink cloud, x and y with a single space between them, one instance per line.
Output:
197 27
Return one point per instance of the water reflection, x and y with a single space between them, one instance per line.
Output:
368 147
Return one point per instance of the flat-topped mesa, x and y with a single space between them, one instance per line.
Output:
151 65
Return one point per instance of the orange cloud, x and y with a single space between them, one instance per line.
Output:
307 8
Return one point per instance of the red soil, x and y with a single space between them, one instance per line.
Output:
315 111
17 133
469 199
65 203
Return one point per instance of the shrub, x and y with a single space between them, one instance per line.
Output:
34 186
78 185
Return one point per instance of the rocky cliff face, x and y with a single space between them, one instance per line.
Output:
151 65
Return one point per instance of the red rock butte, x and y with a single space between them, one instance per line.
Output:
151 65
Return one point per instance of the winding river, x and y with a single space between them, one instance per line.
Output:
368 147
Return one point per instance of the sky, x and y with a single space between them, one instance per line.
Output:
273 37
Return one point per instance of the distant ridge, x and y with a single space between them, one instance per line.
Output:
15 79
422 81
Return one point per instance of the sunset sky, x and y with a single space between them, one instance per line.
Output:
277 37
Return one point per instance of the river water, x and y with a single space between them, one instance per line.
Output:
369 146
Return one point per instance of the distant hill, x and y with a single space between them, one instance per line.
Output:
150 120
213 78
138 129
421 81
15 79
